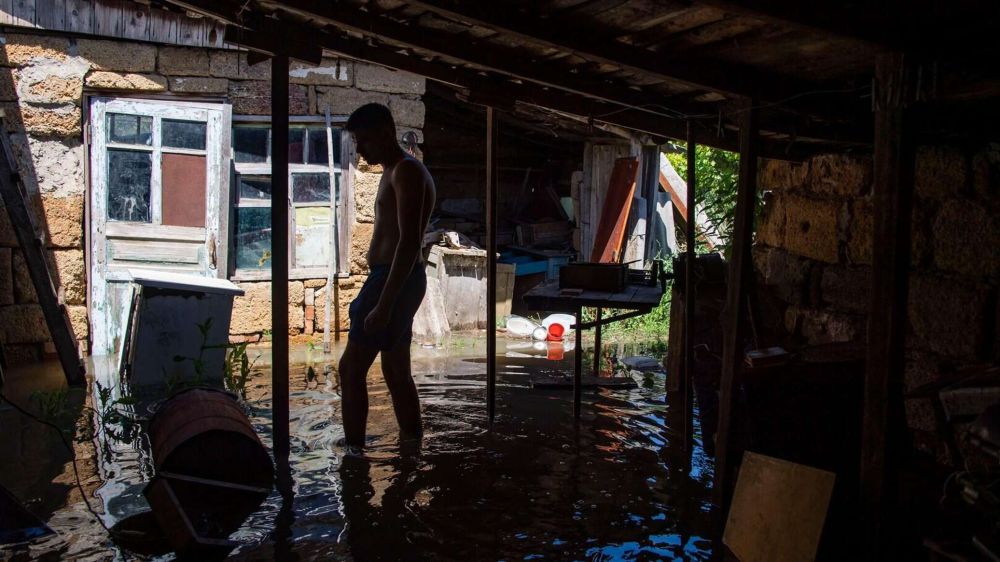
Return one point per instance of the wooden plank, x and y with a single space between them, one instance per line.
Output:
80 16
135 21
23 13
6 16
148 251
279 259
779 509
50 14
883 430
163 26
615 211
154 232
686 379
109 20
492 135
740 276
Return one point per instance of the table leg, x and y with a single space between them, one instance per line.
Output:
578 368
597 344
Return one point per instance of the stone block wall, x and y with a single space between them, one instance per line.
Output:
813 252
44 80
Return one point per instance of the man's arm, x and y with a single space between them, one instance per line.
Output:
408 186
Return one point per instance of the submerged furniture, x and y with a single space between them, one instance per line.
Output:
176 328
636 300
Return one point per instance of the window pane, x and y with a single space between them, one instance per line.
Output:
317 145
296 145
130 129
250 144
129 173
257 187
183 134
253 238
312 237
310 188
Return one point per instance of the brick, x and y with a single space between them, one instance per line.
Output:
840 175
343 101
966 239
117 55
6 277
948 316
252 97
23 323
381 79
846 289
310 312
128 81
183 61
198 85
771 223
310 297
940 172
407 112
811 228
781 175
20 50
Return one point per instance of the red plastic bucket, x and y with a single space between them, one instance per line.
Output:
556 331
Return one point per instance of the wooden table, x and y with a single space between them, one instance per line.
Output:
635 299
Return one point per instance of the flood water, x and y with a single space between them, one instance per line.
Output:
537 486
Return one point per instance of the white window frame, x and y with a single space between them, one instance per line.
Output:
263 169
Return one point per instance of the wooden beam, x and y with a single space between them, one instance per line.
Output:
270 44
883 429
740 275
491 260
687 379
279 258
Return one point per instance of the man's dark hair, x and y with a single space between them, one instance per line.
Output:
371 116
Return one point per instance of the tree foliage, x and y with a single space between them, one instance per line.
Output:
715 190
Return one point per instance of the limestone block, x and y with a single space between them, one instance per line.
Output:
69 275
7 237
821 327
966 239
361 239
380 79
253 97
199 85
343 101
940 172
231 64
58 121
407 112
252 311
986 173
364 166
6 277
365 191
20 50
329 72
63 220
23 323
345 296
846 288
130 81
24 289
310 297
8 90
21 354
52 81
52 167
296 293
811 228
78 321
785 275
840 175
948 316
183 61
117 55
781 175
771 224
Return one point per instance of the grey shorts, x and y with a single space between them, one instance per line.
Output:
400 328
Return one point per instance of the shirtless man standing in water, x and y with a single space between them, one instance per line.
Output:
382 314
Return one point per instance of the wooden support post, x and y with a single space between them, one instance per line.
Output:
687 378
279 258
597 343
734 320
578 363
884 418
491 260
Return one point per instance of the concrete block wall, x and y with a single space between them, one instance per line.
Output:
813 254
44 80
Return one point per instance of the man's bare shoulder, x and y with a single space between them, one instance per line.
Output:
410 171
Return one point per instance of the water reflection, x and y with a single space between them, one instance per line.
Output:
614 486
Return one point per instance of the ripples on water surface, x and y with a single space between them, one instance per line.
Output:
538 487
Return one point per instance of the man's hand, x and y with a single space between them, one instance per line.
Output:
377 319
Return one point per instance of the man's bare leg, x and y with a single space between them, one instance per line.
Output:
353 368
406 404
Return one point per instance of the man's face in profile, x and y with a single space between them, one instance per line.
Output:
363 142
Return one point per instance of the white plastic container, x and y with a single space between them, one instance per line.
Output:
520 326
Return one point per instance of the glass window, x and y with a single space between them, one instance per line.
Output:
129 185
130 129
253 238
250 143
183 134
317 146
311 188
312 236
296 145
255 187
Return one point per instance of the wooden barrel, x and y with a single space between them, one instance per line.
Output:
204 433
